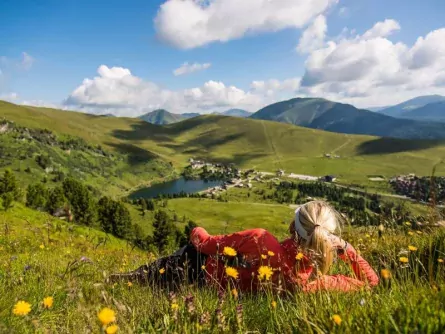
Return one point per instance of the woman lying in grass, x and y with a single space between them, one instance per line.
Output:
247 259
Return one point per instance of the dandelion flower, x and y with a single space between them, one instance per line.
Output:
232 272
203 267
106 316
270 253
162 270
263 256
174 306
274 304
42 246
412 248
111 329
419 232
386 274
299 256
410 233
265 273
21 308
48 302
368 236
229 251
440 260
403 259
408 223
235 293
337 319
130 284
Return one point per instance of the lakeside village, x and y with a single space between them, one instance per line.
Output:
422 189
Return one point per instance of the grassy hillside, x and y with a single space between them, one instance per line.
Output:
249 143
345 118
41 257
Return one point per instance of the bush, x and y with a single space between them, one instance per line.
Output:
36 196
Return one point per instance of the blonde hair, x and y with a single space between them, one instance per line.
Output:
319 220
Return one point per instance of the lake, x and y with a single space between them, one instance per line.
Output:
175 187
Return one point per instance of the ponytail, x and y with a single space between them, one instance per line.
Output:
321 245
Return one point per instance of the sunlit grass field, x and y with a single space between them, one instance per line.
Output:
41 257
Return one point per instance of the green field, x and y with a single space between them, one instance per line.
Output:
266 146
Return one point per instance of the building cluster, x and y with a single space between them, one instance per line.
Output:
419 188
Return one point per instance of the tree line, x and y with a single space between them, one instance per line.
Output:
77 202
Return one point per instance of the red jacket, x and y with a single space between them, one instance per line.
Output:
258 248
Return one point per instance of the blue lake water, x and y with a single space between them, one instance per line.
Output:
174 187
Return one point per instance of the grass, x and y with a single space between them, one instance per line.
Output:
411 301
248 143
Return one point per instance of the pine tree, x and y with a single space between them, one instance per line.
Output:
164 230
56 200
36 196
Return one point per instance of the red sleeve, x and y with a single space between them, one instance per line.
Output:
203 241
362 269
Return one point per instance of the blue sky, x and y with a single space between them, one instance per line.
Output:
66 42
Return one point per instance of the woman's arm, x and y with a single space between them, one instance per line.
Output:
204 242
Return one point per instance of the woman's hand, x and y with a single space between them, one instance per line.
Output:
337 243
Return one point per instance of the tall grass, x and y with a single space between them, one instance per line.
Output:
47 258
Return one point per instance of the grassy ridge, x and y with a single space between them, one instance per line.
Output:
249 143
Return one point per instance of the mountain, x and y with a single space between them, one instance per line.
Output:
432 111
161 117
236 113
141 151
344 118
399 110
190 115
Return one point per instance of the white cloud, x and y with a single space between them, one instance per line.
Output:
192 23
10 97
187 68
313 37
371 69
117 89
27 61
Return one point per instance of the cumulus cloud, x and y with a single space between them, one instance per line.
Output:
313 37
192 23
187 68
26 62
371 69
117 89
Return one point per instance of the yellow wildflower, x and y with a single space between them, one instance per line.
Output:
235 293
386 274
232 272
412 248
270 253
408 223
440 260
106 316
419 232
410 233
229 251
111 329
368 235
403 259
265 272
174 306
274 304
263 256
21 308
299 256
130 284
337 319
203 267
162 270
48 302
42 246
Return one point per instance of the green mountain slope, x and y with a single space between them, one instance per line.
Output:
246 142
345 118
161 117
401 109
432 111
